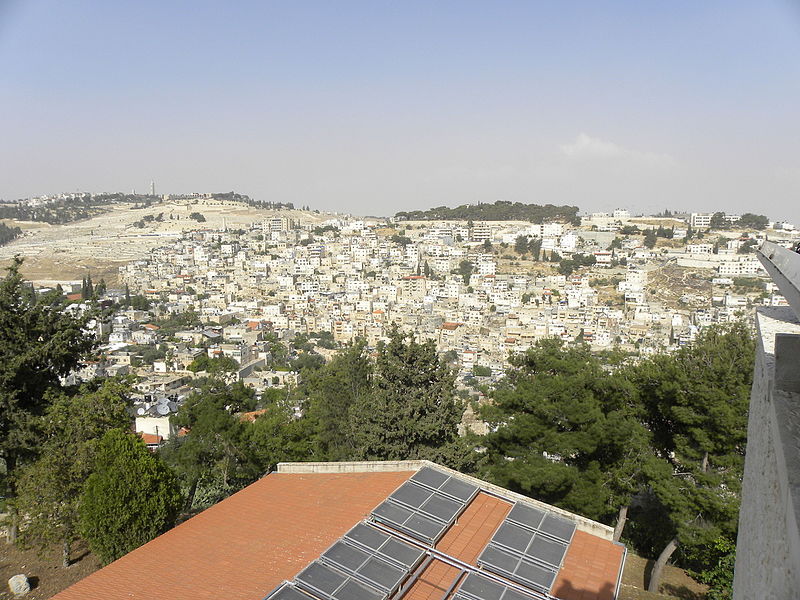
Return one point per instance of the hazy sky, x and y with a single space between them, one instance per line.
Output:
373 106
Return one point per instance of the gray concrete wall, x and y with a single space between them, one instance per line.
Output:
768 547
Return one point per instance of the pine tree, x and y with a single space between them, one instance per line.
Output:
696 404
50 488
570 429
412 411
39 343
333 391
212 460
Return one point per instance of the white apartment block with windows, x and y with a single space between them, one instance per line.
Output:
700 220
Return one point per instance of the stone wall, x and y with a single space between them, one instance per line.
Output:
768 547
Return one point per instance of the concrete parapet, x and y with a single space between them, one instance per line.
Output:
366 466
768 546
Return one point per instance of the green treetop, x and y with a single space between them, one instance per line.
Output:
50 488
333 391
40 342
412 411
565 431
130 498
696 404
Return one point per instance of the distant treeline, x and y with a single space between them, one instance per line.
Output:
254 203
502 210
8 233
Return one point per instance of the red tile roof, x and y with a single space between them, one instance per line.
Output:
243 547
590 569
250 417
150 438
247 545
434 581
466 539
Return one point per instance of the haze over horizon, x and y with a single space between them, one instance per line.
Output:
377 107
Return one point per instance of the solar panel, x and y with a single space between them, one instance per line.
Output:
329 583
391 549
422 526
445 484
478 587
513 536
371 567
353 590
481 588
442 508
537 539
518 569
426 504
512 594
558 527
547 551
534 575
430 477
519 540
402 553
411 494
321 579
458 489
287 592
499 561
346 556
525 569
392 513
367 536
525 515
425 528
382 574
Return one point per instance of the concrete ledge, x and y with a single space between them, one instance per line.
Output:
768 546
366 466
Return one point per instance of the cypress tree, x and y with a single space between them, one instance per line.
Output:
130 498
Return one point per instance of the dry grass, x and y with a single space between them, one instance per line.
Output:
44 570
675 582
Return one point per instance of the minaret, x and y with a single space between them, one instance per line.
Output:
152 188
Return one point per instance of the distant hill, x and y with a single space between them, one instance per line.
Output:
501 210
66 210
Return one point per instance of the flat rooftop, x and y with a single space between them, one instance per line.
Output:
265 540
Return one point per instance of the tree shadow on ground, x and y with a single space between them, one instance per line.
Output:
648 570
681 591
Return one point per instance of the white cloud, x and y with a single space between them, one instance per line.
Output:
586 147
